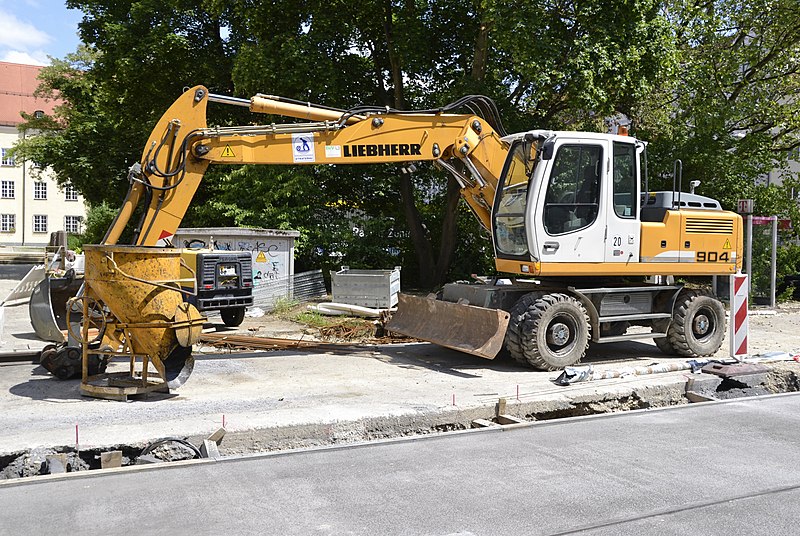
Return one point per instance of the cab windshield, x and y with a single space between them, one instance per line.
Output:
510 234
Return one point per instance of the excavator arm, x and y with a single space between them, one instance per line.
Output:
182 146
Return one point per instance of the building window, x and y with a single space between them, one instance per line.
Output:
72 224
70 193
7 189
8 223
40 190
38 114
40 223
5 157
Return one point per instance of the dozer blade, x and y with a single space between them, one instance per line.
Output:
48 306
466 328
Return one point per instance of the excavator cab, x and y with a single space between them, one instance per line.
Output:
561 205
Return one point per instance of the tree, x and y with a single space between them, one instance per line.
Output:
408 55
731 114
549 64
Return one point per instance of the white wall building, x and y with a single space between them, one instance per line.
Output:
32 205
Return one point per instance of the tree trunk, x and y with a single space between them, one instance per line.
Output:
481 56
422 244
449 231
394 60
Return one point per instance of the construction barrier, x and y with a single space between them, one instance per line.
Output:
738 323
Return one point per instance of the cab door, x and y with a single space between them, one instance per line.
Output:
624 227
572 222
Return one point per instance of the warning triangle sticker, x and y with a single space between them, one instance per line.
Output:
261 257
727 244
227 152
164 234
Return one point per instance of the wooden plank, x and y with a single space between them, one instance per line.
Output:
482 423
509 419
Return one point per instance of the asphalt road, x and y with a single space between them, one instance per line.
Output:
720 468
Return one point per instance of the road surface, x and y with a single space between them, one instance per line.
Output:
720 468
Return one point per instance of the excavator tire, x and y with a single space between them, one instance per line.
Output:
513 341
698 324
663 343
554 331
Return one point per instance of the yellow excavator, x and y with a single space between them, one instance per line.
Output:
586 249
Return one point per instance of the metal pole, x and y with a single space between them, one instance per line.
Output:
774 271
749 253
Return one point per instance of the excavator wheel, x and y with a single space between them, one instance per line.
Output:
553 330
698 324
65 364
513 341
663 343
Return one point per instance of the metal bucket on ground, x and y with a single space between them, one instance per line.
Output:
139 286
48 305
475 330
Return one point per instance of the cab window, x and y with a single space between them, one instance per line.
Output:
573 193
509 216
625 180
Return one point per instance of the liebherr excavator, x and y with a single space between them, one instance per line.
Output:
572 223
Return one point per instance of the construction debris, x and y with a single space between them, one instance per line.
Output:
337 309
572 375
246 342
112 458
209 449
348 330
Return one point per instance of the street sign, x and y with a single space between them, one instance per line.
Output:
745 206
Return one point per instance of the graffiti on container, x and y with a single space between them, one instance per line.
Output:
198 243
269 258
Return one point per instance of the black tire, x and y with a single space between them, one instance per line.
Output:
698 324
553 331
513 340
233 316
663 343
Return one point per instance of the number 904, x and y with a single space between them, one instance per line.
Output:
712 256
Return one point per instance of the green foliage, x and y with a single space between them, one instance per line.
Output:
283 305
729 113
708 82
98 220
787 262
74 243
312 319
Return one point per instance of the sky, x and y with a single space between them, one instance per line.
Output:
32 30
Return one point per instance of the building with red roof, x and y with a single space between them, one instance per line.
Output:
32 205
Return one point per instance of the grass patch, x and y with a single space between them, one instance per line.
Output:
283 306
312 319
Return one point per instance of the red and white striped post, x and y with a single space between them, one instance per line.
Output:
738 324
